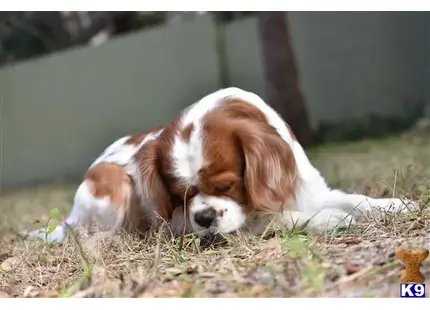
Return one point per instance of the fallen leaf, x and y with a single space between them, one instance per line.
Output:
258 289
178 271
174 271
351 268
31 292
9 263
208 275
349 240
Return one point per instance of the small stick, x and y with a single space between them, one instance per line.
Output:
181 241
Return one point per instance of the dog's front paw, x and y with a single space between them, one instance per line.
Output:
56 236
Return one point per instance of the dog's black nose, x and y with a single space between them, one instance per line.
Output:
205 217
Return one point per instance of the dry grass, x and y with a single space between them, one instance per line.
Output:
358 262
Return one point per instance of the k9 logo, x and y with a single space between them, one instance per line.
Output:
417 290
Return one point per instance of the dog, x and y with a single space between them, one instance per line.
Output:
226 162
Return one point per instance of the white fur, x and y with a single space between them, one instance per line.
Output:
315 200
88 209
120 153
187 157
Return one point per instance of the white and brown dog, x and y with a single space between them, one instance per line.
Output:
231 158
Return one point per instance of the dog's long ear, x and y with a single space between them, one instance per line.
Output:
151 187
270 167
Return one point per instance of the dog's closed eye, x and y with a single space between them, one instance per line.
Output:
223 188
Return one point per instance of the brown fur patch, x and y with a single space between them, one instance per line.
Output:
236 108
186 132
153 185
108 180
245 158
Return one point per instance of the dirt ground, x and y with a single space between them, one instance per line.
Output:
357 262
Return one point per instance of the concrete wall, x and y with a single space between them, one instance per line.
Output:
245 68
59 112
355 63
350 63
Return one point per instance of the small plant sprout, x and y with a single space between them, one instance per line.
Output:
50 225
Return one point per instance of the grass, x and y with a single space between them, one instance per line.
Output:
356 262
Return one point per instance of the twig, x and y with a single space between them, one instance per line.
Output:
181 240
85 263
157 252
87 271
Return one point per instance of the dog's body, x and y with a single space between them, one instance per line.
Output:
111 192
231 158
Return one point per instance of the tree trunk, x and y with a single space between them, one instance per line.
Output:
282 82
